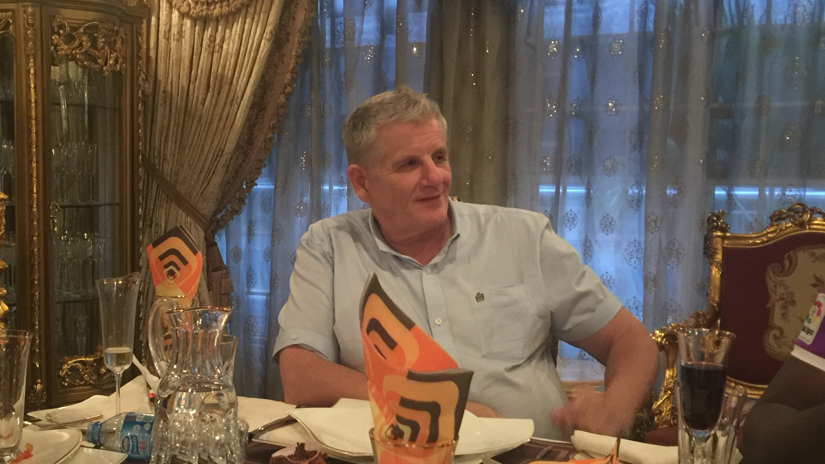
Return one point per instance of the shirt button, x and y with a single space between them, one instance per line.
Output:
428 270
438 321
294 336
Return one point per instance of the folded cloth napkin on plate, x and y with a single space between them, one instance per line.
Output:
134 398
260 411
630 451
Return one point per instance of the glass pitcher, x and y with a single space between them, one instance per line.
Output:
196 412
158 331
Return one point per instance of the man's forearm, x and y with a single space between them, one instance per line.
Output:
310 380
629 372
624 346
776 433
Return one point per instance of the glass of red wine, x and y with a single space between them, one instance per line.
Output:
703 361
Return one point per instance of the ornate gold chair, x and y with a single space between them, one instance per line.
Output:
761 287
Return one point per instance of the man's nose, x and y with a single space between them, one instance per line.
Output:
433 173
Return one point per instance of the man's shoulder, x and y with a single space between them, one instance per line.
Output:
352 222
493 213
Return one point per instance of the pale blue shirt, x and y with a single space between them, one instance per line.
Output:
495 296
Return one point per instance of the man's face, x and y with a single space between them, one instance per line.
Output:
407 180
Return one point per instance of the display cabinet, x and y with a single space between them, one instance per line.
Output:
71 75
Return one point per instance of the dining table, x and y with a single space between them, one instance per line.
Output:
258 411
546 450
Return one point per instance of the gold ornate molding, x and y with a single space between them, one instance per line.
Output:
715 225
208 8
37 391
142 91
752 390
84 371
94 45
665 412
6 23
798 214
4 310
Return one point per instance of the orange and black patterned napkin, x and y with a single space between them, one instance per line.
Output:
417 391
175 263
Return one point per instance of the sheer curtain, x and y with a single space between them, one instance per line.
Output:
625 122
736 122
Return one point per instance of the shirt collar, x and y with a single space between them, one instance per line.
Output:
382 244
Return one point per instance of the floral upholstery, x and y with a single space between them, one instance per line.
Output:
792 285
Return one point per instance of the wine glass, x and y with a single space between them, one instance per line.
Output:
703 363
118 302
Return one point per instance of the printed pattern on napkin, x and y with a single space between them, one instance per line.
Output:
175 263
417 391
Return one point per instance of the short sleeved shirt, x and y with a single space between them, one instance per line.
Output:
501 288
810 345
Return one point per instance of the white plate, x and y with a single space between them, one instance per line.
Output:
95 456
50 446
343 430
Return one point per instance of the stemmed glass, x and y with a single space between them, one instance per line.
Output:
118 302
703 363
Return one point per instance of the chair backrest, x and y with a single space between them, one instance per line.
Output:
761 287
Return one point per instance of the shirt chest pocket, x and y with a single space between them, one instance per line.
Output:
507 325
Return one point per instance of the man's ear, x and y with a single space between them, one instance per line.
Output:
358 179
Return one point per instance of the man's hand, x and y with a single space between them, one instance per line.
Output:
629 355
589 410
481 410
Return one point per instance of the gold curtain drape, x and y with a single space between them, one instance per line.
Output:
469 63
216 88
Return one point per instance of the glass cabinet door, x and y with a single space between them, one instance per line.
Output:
85 200
70 126
8 252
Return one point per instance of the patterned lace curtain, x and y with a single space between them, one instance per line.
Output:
633 120
624 121
578 125
736 124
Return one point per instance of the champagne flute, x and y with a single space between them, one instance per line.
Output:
118 302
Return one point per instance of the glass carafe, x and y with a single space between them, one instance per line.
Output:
196 413
159 333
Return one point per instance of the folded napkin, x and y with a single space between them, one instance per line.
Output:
345 428
417 391
632 452
175 263
152 380
259 411
134 398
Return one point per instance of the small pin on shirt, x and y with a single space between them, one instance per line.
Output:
479 297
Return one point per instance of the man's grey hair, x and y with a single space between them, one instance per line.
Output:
360 129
